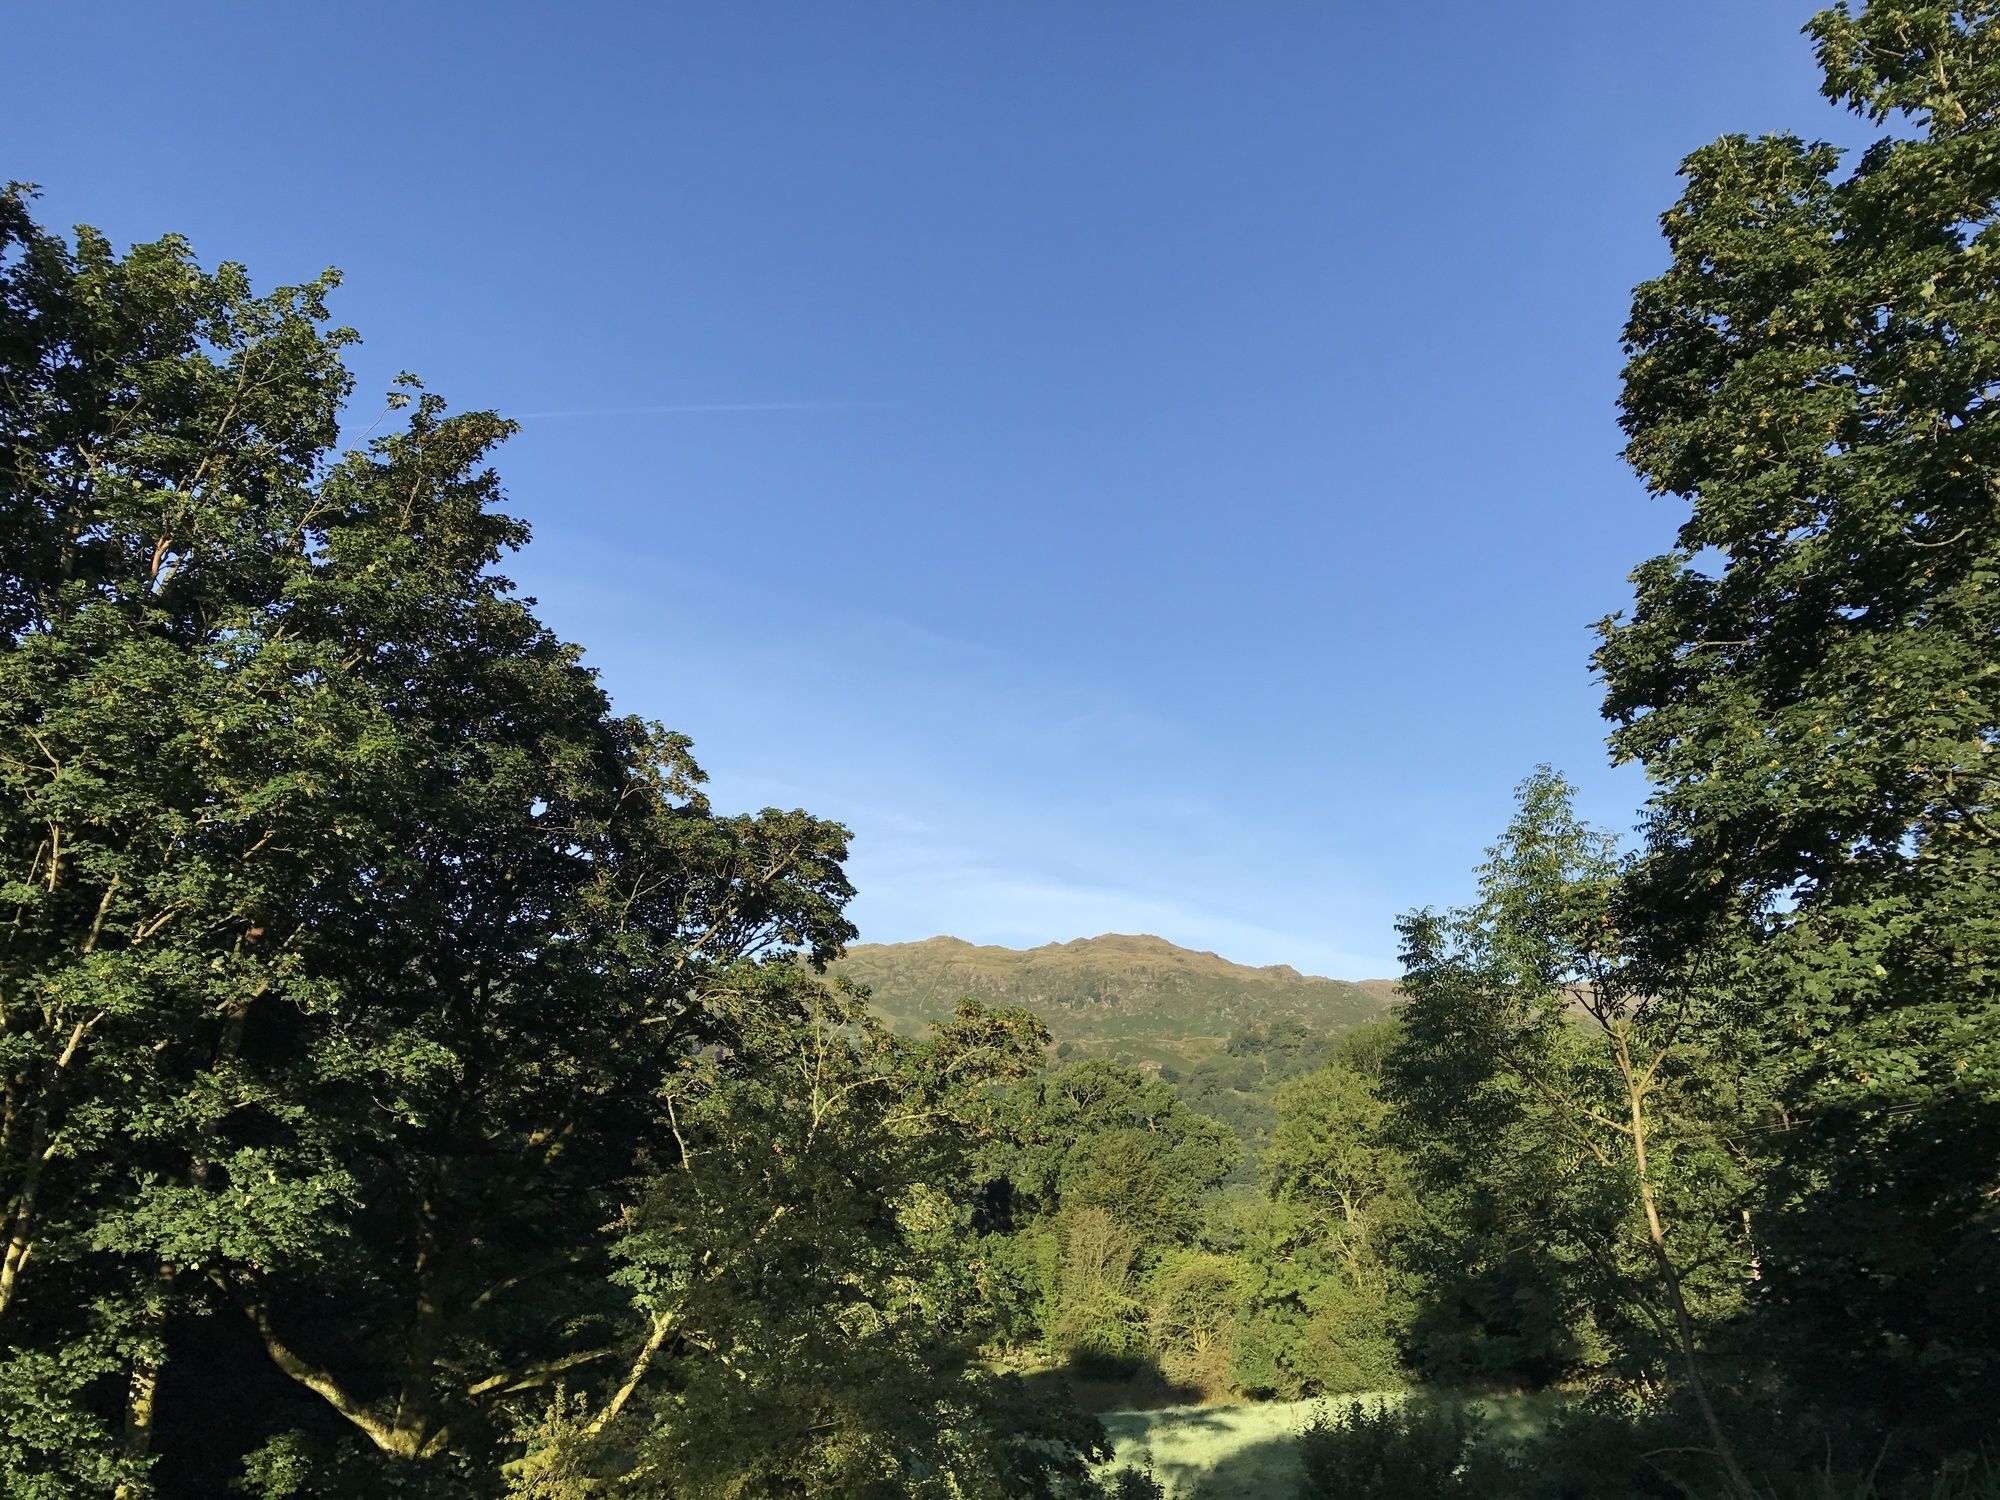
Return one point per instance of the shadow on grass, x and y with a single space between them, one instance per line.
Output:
1265 1470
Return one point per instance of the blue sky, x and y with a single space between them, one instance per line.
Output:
1143 467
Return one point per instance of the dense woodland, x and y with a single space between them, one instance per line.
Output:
410 1085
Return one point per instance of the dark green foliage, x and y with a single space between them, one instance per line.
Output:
411 1085
1239 1085
1121 1259
1812 680
814 1325
1414 1450
1570 1118
1431 1446
1134 1484
1100 1173
1489 1307
52 1443
1714 1125
362 968
1323 1307
1105 1137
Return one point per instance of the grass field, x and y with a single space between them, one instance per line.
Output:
1215 1451
1251 1452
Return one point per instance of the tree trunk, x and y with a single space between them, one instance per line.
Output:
142 1389
416 1404
1725 1452
20 1220
139 1397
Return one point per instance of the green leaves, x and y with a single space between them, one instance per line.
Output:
1937 62
350 934
1110 1138
800 1256
1812 682
1570 1110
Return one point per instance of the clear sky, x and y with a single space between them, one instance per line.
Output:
1145 467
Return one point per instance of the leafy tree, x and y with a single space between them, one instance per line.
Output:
351 941
1812 681
1095 1315
1328 1148
1100 1174
1192 1298
1102 1136
185 784
1601 1092
1321 1309
810 1317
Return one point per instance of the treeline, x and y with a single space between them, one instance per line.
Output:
1708 1126
1704 1130
1131 1259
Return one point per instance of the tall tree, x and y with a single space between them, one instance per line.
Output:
1106 1137
810 1315
1589 1100
179 774
350 940
1811 679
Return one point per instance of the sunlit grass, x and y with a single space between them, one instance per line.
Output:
1251 1452
1196 1449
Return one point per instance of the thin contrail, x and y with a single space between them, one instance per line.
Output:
700 408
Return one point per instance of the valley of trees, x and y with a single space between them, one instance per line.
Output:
411 1085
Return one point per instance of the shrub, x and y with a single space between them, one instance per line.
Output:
1411 1450
1129 1483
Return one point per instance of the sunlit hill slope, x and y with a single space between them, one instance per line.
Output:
1139 997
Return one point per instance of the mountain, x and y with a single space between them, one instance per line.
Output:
1137 997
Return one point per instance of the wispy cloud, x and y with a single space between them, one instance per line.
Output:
1000 799
706 408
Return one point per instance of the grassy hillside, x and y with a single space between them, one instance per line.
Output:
1139 998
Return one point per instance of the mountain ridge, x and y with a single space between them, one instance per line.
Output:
1134 996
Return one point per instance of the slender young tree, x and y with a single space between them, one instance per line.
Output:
1534 1051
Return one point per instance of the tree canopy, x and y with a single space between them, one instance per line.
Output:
363 966
1810 680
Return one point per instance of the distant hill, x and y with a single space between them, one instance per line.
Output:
1141 998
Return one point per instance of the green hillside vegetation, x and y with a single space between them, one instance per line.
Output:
1226 1036
1134 999
1239 1085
